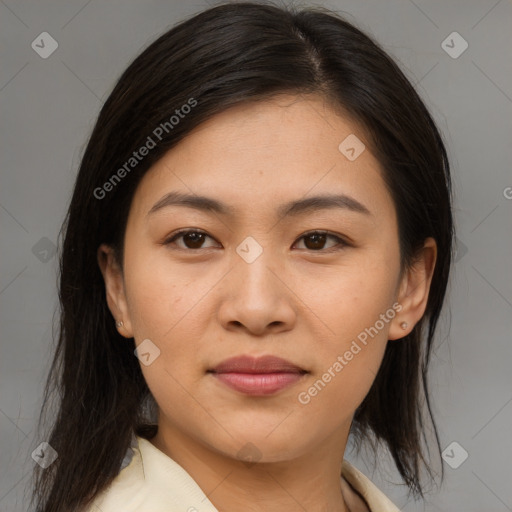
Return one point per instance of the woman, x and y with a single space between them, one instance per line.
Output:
255 259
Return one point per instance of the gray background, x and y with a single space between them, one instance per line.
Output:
48 107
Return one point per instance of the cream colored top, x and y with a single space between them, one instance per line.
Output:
153 482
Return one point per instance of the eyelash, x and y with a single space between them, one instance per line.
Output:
341 243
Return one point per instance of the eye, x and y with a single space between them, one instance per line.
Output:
317 240
192 238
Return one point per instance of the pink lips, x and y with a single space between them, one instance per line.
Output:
257 376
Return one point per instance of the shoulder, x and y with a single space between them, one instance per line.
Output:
377 501
128 489
151 482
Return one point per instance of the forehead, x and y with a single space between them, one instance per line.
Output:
260 152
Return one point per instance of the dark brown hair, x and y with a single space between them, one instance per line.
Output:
227 55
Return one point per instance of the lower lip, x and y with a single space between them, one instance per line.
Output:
258 384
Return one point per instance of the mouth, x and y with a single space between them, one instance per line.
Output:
257 376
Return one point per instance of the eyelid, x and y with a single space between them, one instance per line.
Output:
342 241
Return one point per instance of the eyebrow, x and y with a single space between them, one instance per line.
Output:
292 208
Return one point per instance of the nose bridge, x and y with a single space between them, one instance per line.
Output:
255 296
254 265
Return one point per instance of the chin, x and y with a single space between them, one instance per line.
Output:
259 447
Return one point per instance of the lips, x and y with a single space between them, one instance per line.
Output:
257 376
260 365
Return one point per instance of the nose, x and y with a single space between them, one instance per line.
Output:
256 297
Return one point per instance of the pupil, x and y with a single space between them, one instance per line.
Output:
318 240
195 238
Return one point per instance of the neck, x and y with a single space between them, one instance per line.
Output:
311 481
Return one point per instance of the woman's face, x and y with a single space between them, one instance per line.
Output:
257 282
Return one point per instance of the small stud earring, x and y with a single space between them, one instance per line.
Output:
404 325
120 323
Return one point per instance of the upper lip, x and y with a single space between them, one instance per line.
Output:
264 364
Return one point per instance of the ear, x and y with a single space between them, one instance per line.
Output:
413 290
114 288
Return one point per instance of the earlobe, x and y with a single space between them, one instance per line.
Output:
414 291
114 289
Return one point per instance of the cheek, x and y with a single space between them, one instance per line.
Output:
333 396
160 296
351 298
169 305
355 307
348 359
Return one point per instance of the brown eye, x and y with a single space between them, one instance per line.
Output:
315 241
192 239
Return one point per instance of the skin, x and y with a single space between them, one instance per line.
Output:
297 300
